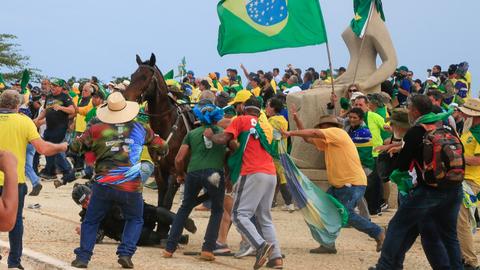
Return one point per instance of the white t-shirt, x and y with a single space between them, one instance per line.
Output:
294 89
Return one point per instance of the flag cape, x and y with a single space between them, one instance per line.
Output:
324 215
262 25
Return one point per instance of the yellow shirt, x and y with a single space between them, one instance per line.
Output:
256 91
16 131
341 158
80 124
195 95
273 83
472 149
145 156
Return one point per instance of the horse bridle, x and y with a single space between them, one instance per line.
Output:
180 112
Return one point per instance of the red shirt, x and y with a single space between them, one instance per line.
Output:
255 158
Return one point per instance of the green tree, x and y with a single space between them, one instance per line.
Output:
120 79
12 62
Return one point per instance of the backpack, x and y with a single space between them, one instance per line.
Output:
443 160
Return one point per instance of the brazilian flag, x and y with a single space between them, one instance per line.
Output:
249 26
168 75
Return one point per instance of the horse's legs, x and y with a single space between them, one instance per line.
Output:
159 179
171 191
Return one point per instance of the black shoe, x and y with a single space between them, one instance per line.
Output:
190 226
263 253
324 250
184 239
36 190
47 176
125 262
79 264
19 266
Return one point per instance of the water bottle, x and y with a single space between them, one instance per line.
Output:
208 143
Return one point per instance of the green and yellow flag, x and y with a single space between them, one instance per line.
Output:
249 26
168 75
362 12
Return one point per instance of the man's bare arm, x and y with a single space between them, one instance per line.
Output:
9 198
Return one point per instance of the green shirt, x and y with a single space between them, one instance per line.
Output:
202 158
375 124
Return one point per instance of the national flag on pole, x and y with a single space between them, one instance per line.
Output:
363 11
168 75
25 80
248 26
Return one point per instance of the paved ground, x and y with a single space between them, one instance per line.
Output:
51 230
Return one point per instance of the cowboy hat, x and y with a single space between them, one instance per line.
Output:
329 119
117 110
471 107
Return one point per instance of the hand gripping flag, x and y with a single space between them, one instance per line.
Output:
249 26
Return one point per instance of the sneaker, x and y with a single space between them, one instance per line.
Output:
125 262
379 239
276 263
221 249
36 190
207 256
79 264
290 208
245 250
262 255
324 250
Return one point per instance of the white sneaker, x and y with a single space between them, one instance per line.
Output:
290 208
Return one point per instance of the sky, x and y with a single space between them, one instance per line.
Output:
102 37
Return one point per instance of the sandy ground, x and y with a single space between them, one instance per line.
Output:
51 230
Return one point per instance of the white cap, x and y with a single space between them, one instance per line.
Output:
433 79
356 94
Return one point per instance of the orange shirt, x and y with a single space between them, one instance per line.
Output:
341 158
255 158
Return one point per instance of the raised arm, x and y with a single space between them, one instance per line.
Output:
47 148
9 198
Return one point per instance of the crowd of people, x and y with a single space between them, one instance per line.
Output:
424 136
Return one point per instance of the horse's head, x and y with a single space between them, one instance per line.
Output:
146 82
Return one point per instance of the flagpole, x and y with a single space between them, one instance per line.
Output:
363 42
331 67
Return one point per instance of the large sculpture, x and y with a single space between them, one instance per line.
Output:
366 38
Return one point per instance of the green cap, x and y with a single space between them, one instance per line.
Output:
402 68
59 82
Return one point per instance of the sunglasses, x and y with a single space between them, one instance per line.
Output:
352 90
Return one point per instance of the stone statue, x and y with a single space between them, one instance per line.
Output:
366 38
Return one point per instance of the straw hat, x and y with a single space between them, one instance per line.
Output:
471 107
329 119
117 110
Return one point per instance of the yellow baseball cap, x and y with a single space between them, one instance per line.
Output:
241 97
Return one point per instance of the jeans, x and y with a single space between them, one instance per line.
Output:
101 200
253 198
349 197
427 209
29 171
56 136
194 183
15 236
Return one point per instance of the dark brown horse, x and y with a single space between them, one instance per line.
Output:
167 119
